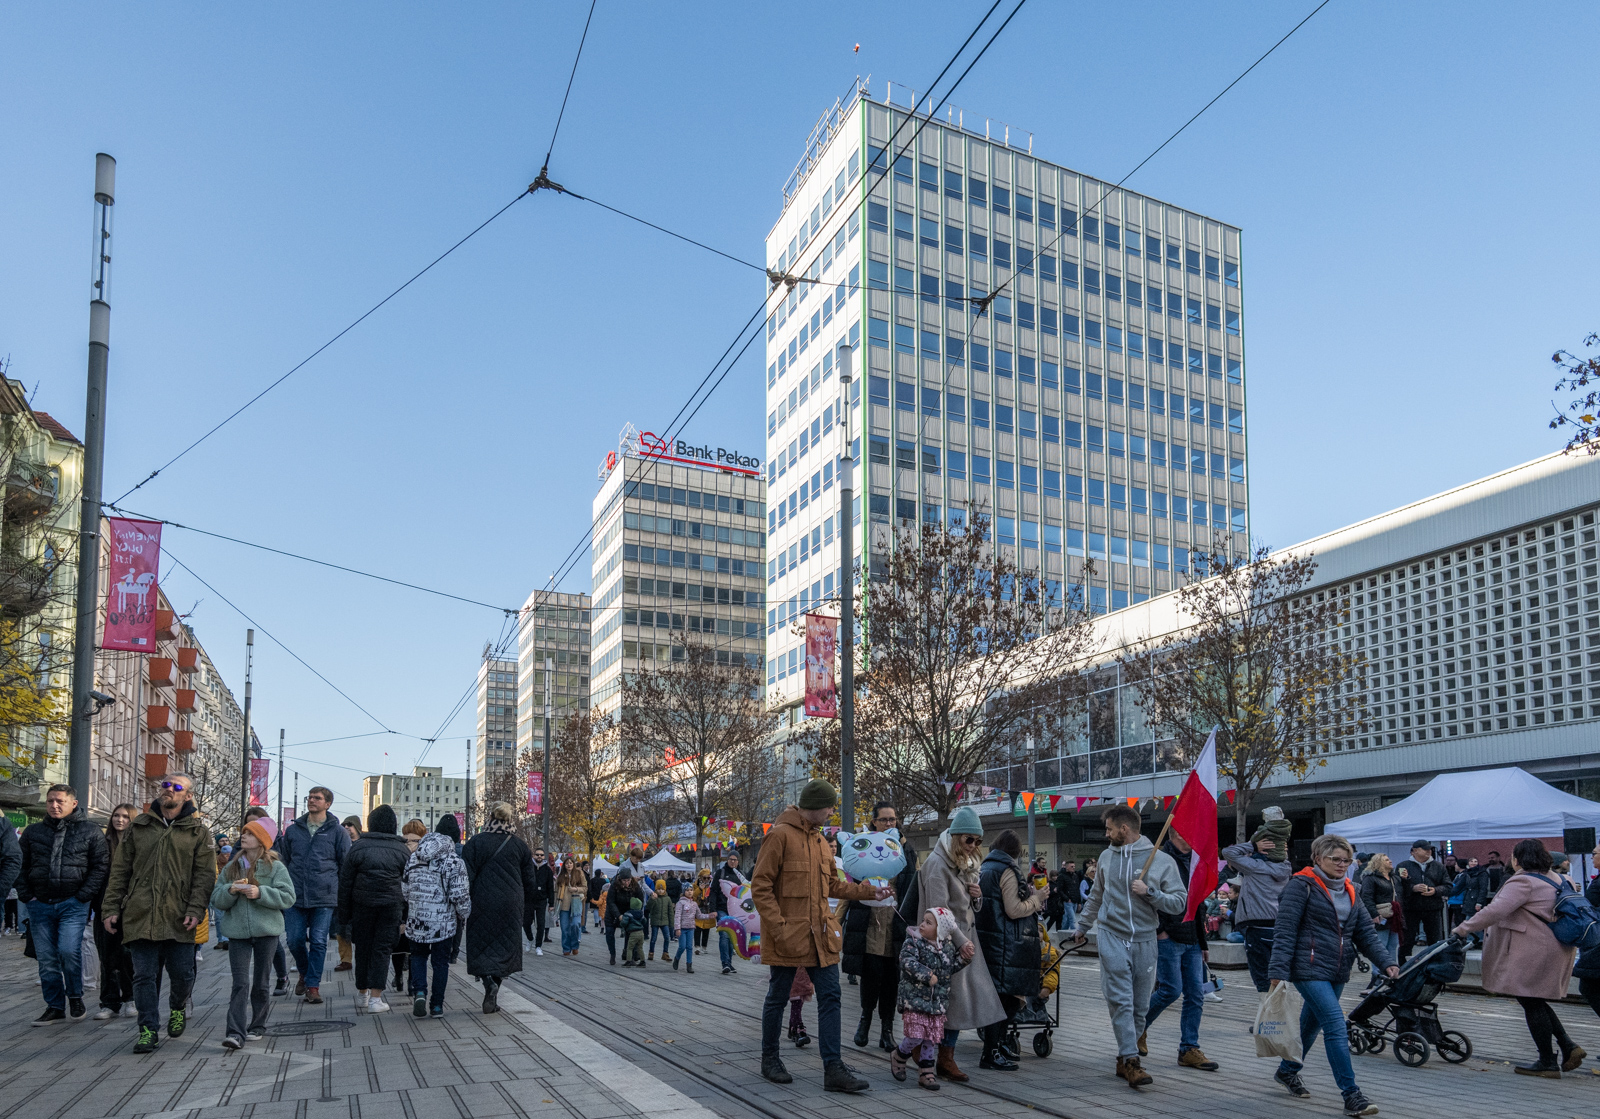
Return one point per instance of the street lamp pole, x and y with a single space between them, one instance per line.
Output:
544 786
847 607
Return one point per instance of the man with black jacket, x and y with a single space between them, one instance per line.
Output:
544 881
1181 969
10 857
727 872
65 863
1067 889
1424 888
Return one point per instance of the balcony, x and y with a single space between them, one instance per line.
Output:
24 587
183 741
161 672
166 625
188 658
184 701
158 720
30 491
155 765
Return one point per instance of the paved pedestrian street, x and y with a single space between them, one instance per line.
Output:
577 1037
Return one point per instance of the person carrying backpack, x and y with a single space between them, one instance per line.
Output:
1523 958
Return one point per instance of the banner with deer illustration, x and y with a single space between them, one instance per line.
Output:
822 639
131 591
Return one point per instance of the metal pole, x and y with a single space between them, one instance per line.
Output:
244 778
466 815
94 445
544 787
1032 855
847 609
280 777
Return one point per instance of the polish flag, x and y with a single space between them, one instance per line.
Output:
1194 818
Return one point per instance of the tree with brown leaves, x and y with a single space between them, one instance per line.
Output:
586 798
690 722
1259 659
1580 376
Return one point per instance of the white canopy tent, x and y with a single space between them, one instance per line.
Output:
605 868
1506 803
664 861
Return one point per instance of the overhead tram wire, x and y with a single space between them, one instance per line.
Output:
981 303
561 114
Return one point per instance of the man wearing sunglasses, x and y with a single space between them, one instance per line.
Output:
161 879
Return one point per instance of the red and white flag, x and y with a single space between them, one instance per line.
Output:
1194 819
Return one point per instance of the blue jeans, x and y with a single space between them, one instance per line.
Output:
570 929
437 954
665 932
57 928
725 946
307 930
1179 970
1323 1012
685 946
826 981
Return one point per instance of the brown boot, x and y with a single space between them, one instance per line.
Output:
1193 1058
1144 1047
1130 1070
947 1065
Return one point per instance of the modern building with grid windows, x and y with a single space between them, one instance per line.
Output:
679 550
1095 408
496 746
553 626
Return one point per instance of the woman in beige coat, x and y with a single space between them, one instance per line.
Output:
949 877
1523 959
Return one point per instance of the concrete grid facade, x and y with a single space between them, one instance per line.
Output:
553 626
496 743
1097 411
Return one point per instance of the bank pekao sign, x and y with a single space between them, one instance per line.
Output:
647 444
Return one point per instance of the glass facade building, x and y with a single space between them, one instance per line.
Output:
496 746
553 626
1095 409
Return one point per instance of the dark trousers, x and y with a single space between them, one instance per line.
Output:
538 924
1545 1027
1590 990
150 957
250 958
374 929
1258 954
116 968
280 961
611 941
1429 920
437 954
880 983
702 937
826 981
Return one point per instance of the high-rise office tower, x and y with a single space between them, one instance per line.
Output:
1094 409
554 626
495 750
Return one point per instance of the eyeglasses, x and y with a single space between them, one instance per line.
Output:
1337 860
971 840
175 786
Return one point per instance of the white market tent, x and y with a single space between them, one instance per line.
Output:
664 861
605 868
1508 803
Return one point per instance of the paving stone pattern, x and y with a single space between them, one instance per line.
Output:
580 1038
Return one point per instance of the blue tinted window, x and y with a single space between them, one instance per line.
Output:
1002 417
956 407
1052 428
977 192
980 467
952 239
1005 474
980 412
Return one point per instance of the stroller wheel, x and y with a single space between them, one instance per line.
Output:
1454 1047
1376 1042
1411 1050
1358 1039
1042 1045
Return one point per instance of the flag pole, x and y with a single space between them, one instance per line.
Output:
1152 856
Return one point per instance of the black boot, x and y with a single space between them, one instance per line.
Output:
864 1030
491 992
773 1070
993 1057
1006 1041
886 1036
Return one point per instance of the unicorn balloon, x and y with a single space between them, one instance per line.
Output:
872 856
742 923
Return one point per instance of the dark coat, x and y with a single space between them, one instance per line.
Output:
858 917
61 859
597 886
370 875
674 890
1588 965
918 960
721 875
544 883
163 873
10 857
620 896
1011 946
1309 941
1478 888
1177 930
1376 890
500 867
314 860
1412 873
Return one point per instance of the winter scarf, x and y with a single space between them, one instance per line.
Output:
497 825
1278 832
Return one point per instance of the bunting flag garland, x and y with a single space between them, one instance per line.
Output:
765 828
1027 800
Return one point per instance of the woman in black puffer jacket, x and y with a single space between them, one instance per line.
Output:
1008 930
371 904
1320 922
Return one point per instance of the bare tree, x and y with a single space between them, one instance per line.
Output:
753 787
1580 376
654 812
585 797
687 724
509 785
1260 660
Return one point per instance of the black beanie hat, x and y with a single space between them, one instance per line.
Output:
383 821
450 826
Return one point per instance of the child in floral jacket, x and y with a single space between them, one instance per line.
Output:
934 951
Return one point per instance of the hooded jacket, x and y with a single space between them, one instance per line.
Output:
314 860
370 874
1309 941
163 872
918 960
242 918
63 859
1113 905
1261 882
437 895
794 878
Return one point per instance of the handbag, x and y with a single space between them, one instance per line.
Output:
1277 1027
1385 910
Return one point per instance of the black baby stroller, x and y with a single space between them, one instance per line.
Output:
1413 1019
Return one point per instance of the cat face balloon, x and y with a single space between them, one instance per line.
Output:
872 855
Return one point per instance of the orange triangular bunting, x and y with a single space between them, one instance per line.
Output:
1027 800
1133 802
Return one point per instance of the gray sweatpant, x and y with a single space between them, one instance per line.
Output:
1127 979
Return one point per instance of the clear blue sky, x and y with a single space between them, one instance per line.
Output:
1415 182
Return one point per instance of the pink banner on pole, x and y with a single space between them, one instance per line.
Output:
535 794
288 818
461 821
258 781
131 597
822 641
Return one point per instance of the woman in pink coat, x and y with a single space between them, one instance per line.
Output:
1522 957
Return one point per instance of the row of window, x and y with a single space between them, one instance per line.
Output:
691 499
636 650
907 339
909 397
659 619
955 462
690 592
695 530
694 561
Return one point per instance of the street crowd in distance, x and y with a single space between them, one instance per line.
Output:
962 944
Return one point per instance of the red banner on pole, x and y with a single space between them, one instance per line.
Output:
258 781
822 640
131 597
535 794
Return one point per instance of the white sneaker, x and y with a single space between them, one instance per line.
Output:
377 1005
361 1001
253 1037
103 1013
538 951
130 1011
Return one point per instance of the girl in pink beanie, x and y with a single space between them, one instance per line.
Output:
251 893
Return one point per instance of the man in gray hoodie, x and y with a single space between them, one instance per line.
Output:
1123 906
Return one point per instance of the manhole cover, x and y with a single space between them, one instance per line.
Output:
318 1026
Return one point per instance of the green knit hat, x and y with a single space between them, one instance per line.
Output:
636 903
818 794
965 821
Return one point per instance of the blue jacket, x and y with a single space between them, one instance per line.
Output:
314 861
1308 941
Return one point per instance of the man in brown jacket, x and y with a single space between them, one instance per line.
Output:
794 878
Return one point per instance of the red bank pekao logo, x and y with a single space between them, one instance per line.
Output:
647 444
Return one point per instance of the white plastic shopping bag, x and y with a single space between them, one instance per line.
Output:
91 959
1277 1026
